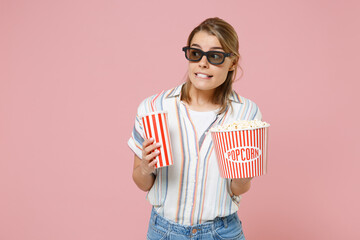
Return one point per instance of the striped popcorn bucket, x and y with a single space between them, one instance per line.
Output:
156 126
241 153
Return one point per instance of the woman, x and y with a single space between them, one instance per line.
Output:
189 198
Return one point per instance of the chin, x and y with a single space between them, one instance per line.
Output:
203 86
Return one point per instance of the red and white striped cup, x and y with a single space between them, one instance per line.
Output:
241 153
156 126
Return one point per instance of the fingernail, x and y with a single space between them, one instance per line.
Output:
157 151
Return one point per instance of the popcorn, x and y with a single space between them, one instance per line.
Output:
241 148
240 125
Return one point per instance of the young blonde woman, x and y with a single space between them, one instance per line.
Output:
190 200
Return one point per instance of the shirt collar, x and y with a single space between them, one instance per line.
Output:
176 92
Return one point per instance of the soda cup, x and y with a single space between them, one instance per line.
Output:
156 127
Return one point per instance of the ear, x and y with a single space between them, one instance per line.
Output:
233 66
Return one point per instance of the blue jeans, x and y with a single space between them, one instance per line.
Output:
224 228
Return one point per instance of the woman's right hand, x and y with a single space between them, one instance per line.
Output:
149 152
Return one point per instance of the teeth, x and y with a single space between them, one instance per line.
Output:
202 75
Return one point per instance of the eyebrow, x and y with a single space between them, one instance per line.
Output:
197 45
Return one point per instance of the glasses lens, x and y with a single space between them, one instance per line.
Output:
194 54
215 57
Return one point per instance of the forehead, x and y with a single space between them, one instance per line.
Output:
205 40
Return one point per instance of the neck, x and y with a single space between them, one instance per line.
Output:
201 100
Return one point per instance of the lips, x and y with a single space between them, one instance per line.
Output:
203 75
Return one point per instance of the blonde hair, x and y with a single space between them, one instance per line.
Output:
229 41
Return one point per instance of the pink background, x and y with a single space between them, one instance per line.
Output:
73 72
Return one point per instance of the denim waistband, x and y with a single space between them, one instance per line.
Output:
199 228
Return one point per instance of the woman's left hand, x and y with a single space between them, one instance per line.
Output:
240 185
241 181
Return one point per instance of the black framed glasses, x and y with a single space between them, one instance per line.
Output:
213 57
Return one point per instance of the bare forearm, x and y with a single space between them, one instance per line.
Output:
142 180
143 168
240 186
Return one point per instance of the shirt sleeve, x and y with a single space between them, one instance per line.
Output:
137 136
258 115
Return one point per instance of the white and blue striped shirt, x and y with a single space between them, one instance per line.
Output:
190 191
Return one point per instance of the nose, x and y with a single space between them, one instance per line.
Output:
203 63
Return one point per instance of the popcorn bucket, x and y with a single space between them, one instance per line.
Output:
156 126
241 153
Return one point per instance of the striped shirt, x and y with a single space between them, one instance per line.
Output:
191 190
